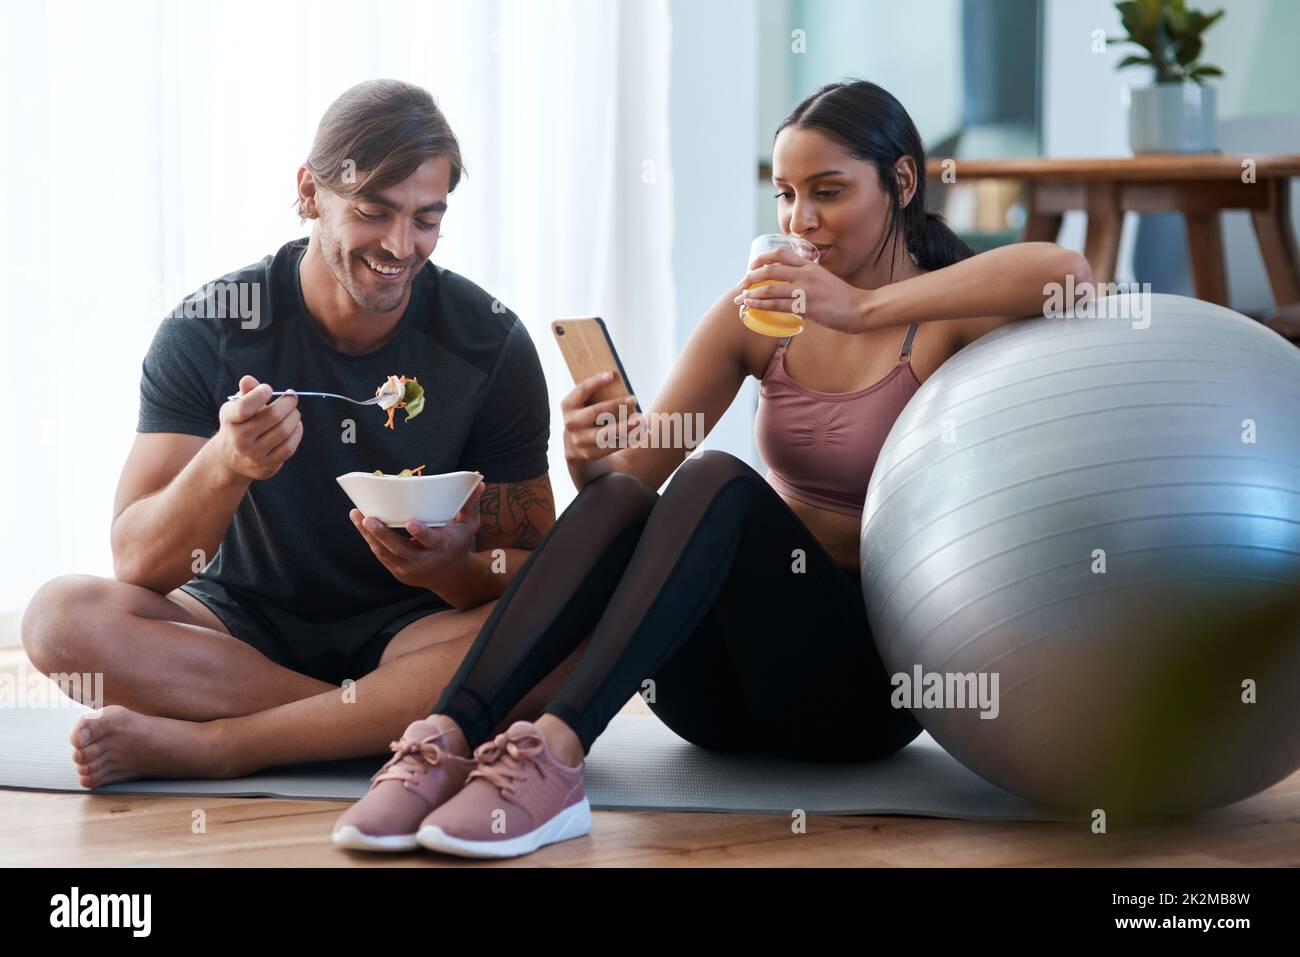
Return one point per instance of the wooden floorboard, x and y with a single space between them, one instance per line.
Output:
95 830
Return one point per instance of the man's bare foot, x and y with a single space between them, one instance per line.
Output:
121 744
560 740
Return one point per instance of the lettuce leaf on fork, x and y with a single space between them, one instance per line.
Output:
413 399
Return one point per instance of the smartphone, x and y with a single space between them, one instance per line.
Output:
588 350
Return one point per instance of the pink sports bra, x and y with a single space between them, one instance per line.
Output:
821 447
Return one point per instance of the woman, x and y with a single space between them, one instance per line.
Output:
731 602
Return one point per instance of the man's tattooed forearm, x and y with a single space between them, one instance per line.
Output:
516 514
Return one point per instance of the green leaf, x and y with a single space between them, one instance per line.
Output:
405 473
1135 61
1197 22
1205 70
414 399
1130 15
1140 28
1152 12
1187 51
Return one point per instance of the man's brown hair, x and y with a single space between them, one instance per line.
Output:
376 134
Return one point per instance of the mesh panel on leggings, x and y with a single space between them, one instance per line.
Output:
551 605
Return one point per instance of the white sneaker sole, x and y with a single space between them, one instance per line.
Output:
573 821
349 837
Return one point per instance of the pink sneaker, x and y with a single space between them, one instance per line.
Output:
418 777
518 799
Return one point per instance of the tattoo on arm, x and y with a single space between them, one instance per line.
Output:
516 514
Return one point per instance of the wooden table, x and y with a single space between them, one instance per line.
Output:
1198 186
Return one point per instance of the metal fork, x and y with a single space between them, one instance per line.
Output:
321 395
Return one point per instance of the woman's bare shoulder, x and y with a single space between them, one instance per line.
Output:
934 344
721 325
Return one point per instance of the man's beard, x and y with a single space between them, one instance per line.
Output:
369 299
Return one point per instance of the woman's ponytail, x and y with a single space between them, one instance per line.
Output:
933 244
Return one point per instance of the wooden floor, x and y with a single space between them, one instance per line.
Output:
42 829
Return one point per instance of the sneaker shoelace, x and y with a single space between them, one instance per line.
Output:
410 759
504 761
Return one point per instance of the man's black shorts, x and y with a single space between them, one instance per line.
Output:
329 650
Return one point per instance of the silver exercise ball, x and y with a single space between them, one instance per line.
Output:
1104 513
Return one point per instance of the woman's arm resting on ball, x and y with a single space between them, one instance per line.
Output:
993 287
704 380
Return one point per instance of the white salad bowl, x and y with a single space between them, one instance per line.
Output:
431 499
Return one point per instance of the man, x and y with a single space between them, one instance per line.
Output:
256 618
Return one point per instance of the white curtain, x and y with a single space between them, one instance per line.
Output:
149 147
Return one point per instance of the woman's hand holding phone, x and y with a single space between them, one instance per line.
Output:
585 442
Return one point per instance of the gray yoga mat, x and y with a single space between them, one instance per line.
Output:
637 764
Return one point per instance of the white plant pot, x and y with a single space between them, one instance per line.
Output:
1172 118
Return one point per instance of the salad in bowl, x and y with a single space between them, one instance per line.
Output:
409 496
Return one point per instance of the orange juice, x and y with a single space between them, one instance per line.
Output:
766 321
769 323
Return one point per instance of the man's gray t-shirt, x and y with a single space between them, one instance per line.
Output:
291 543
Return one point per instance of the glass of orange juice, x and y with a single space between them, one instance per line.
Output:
765 321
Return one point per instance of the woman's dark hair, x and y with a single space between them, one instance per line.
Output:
873 126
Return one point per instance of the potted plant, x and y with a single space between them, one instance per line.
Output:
1176 113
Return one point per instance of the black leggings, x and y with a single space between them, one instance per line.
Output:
701 601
